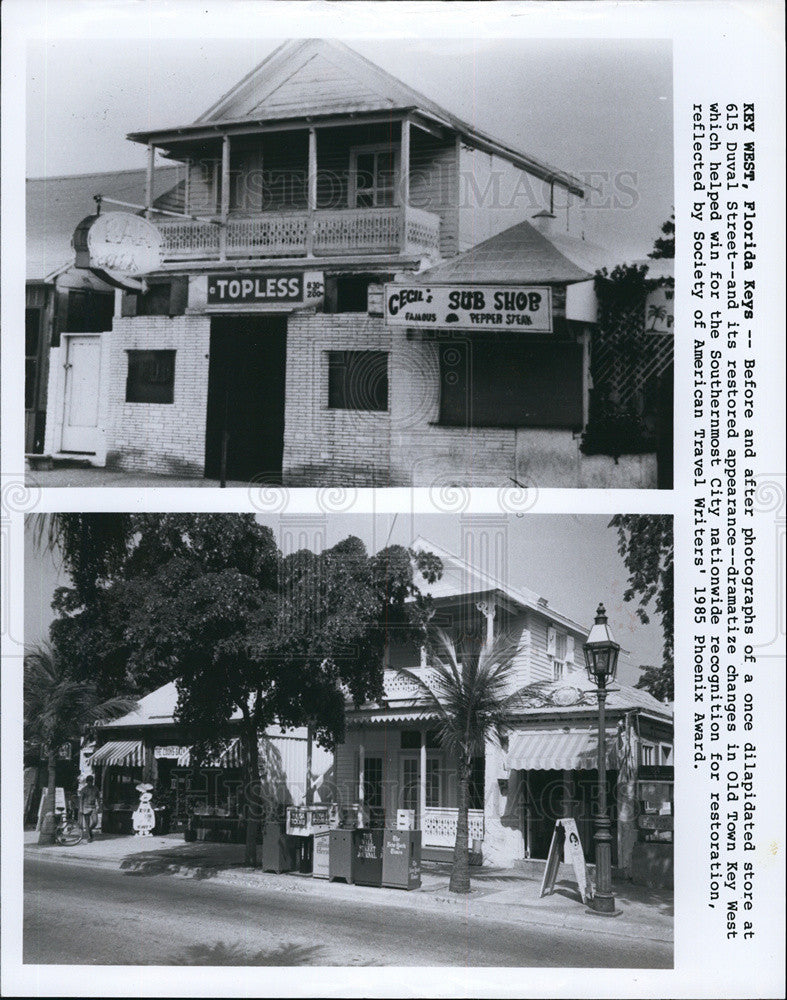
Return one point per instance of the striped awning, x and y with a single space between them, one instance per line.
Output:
229 757
125 753
552 750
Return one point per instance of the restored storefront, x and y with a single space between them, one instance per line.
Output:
149 745
546 768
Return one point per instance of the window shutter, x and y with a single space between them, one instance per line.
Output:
551 641
569 649
178 296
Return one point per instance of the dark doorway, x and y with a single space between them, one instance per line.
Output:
246 397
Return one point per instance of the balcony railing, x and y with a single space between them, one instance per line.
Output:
438 828
323 233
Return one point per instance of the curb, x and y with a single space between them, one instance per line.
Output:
526 913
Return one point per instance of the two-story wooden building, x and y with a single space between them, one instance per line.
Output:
546 768
256 345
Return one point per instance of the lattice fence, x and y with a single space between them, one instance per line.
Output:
626 363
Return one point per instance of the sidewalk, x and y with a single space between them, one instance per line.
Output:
65 475
497 893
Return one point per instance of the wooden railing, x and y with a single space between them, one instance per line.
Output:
438 828
323 233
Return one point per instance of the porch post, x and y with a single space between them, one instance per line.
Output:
404 179
187 188
488 610
360 774
225 195
311 192
422 782
149 180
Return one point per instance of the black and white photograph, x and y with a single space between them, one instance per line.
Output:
386 727
357 264
393 501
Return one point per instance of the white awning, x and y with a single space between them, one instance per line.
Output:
125 753
552 750
229 757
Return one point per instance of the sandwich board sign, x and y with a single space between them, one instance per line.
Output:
566 836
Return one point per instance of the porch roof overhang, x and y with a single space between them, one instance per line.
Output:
125 753
550 750
378 717
328 265
169 138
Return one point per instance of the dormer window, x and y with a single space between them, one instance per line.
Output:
373 176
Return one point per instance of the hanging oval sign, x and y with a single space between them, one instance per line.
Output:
119 242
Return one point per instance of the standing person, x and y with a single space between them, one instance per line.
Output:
88 807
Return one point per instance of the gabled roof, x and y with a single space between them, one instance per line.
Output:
461 578
522 255
56 205
318 77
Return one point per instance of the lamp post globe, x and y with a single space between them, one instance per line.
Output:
601 659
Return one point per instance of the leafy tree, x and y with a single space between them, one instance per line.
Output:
57 709
659 681
92 546
469 689
646 543
208 601
664 246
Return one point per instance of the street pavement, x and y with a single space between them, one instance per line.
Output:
198 904
78 913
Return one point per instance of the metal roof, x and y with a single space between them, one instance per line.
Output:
521 255
56 205
460 578
347 84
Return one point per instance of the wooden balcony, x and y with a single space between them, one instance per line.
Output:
323 233
438 828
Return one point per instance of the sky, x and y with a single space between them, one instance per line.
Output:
572 560
600 109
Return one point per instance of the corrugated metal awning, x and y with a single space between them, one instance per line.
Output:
552 750
125 753
229 757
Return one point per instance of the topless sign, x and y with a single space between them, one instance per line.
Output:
470 307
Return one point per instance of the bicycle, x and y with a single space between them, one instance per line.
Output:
68 832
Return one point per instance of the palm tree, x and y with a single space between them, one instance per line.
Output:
58 708
472 698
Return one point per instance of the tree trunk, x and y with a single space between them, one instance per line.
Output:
252 793
47 833
460 873
309 796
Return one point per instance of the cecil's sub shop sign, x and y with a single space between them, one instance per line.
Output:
470 307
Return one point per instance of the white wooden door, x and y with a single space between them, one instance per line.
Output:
80 416
410 785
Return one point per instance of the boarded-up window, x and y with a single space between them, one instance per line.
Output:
89 312
151 377
486 383
358 380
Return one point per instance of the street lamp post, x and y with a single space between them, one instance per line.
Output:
601 659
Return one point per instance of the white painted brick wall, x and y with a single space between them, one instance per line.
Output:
160 437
